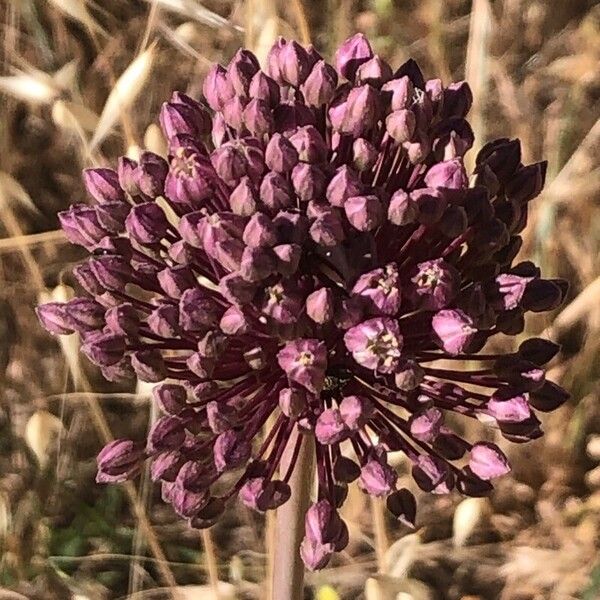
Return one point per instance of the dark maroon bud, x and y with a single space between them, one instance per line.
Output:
127 173
242 68
364 155
111 216
149 365
104 349
275 192
151 174
208 515
217 87
212 344
470 485
349 312
430 205
520 373
197 310
309 145
345 470
375 71
408 375
538 350
411 70
81 226
401 124
541 295
280 154
120 460
264 88
164 321
527 183
432 474
343 185
502 157
55 318
401 91
186 182
450 446
365 213
288 258
549 397
146 223
320 85
351 54
123 319
290 115
453 222
171 398
258 118
103 185
86 278
403 506
362 111
294 63
328 229
458 99
176 280
308 181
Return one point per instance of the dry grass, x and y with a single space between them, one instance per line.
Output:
81 83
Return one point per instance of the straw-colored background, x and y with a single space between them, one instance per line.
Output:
81 83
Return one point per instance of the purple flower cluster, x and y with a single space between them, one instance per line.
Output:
312 245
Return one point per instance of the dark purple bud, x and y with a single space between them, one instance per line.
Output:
164 321
320 85
362 111
111 272
487 461
54 318
292 402
183 115
401 92
231 450
127 173
309 145
543 294
171 398
174 281
294 63
538 350
229 163
349 313
212 344
319 305
458 99
401 124
330 427
120 460
375 71
241 69
425 425
549 397
85 314
166 465
343 185
345 470
257 264
290 115
111 216
104 349
197 310
81 226
351 54
527 182
288 258
186 183
103 185
365 213
403 210
328 229
187 504
403 506
432 474
264 88
364 155
304 361
217 87
146 223
123 319
455 330
120 371
258 118
149 365
275 192
151 174
520 373
236 289
309 182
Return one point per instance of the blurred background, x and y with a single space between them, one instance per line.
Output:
80 83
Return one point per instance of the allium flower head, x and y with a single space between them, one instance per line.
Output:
307 251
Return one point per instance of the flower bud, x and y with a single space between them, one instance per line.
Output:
448 174
401 91
365 213
241 69
234 322
217 87
171 398
149 365
377 478
120 460
275 192
54 318
402 210
104 349
258 118
330 427
343 185
280 154
403 506
264 88
455 330
401 124
123 319
243 198
309 144
374 71
319 305
294 63
183 115
362 111
351 54
174 281
364 155
308 181
103 185
292 402
288 258
260 232
146 223
487 461
320 85
231 450
355 411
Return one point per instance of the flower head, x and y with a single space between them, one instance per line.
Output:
311 245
